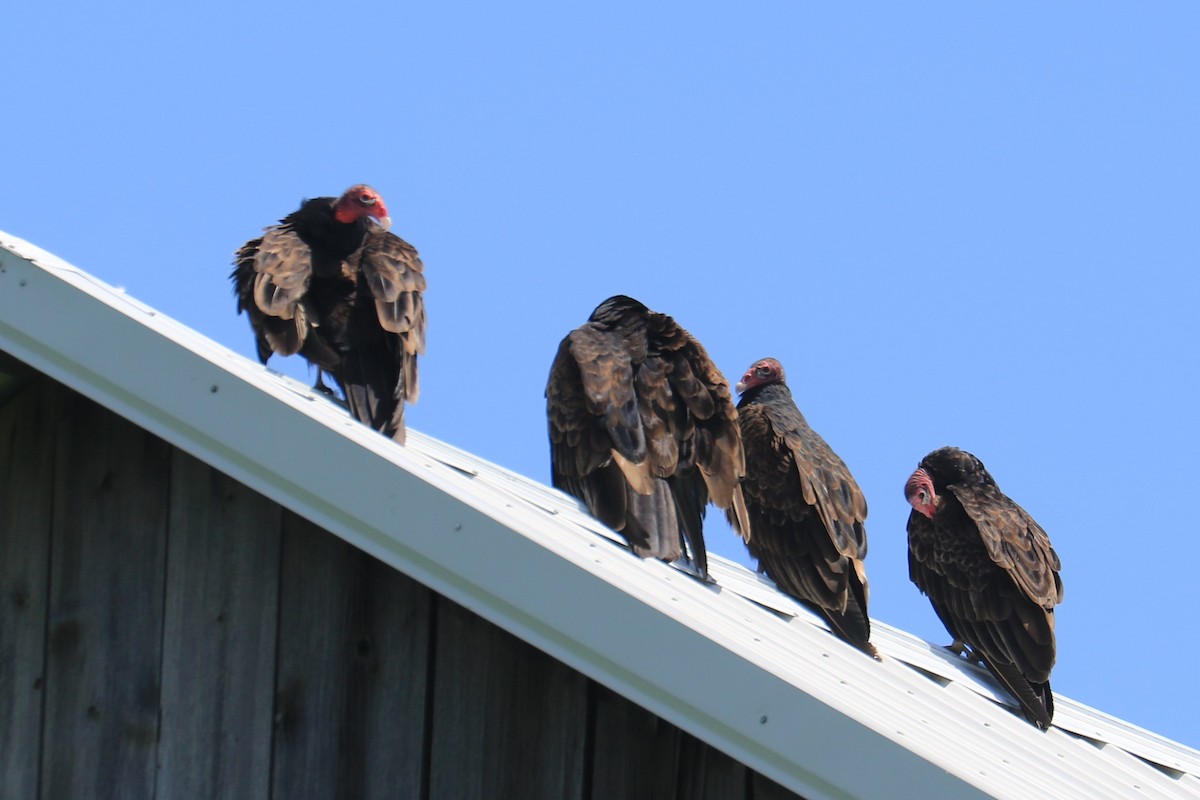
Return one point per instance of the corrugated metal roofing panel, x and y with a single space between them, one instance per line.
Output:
1095 724
733 662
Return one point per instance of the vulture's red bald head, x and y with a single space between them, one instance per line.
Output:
761 373
361 201
920 493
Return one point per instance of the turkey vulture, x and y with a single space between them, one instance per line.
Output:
989 571
643 429
806 512
330 283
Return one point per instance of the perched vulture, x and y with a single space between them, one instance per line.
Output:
330 283
806 512
643 429
989 571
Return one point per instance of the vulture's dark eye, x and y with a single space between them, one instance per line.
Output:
367 199
763 371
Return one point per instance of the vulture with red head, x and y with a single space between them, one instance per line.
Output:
643 430
806 512
989 571
330 283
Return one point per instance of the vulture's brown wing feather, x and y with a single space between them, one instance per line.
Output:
581 448
807 514
708 434
1018 610
827 485
271 276
243 289
605 363
385 332
831 490
1015 542
394 274
283 263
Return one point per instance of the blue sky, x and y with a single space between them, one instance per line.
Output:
957 224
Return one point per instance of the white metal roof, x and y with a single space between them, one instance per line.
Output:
737 664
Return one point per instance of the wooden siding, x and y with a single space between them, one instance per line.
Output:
26 483
168 633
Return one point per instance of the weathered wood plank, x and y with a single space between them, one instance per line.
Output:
315 747
508 720
15 375
218 665
635 754
706 773
26 472
394 650
106 606
766 789
353 659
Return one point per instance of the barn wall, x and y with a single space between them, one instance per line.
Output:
169 633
